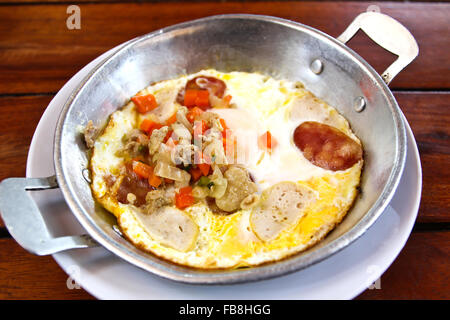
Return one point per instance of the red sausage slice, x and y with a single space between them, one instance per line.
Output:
326 146
213 85
131 183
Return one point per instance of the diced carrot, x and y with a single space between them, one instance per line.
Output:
154 180
227 99
229 146
267 142
224 126
197 97
205 126
152 126
155 127
189 98
184 198
196 173
146 125
142 170
168 135
223 123
200 127
193 113
172 119
145 103
186 190
202 100
204 168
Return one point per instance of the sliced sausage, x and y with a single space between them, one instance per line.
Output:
171 227
283 205
326 146
131 183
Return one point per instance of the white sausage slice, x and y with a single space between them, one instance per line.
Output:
282 206
170 227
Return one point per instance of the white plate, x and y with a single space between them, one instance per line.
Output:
342 276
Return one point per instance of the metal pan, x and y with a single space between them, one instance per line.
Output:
273 46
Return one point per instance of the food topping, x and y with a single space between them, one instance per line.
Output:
282 206
213 85
90 133
148 126
326 146
238 188
130 182
157 138
196 97
267 142
184 198
141 169
135 144
172 227
198 92
156 199
209 180
188 154
145 103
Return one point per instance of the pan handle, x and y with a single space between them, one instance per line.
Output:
24 221
387 33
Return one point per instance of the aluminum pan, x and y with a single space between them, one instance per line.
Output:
244 43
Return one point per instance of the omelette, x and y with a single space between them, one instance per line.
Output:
218 170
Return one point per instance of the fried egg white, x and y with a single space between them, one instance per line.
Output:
261 104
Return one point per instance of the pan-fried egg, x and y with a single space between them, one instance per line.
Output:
268 201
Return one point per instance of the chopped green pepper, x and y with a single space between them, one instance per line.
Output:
204 181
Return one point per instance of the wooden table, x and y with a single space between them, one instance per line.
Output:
38 54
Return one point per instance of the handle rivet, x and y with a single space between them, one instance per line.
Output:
86 175
359 104
316 66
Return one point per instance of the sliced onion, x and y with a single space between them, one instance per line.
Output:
181 131
219 183
181 117
163 155
200 192
219 187
215 151
170 172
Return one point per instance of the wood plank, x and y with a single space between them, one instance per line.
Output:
426 112
26 276
419 272
38 53
19 117
429 117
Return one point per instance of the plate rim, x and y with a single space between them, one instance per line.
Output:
92 64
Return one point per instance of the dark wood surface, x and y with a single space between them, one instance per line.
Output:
38 54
